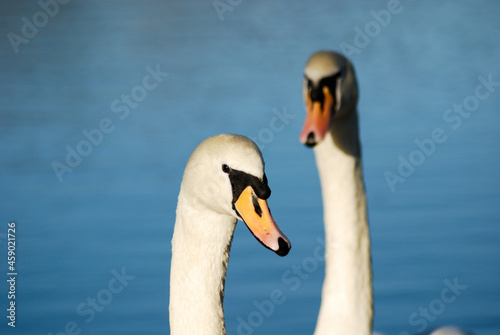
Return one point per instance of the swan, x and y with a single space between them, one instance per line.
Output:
330 93
223 181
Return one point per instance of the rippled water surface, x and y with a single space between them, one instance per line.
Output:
134 87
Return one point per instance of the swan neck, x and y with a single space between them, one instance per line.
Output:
200 254
346 306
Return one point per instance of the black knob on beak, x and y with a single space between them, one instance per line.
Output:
317 95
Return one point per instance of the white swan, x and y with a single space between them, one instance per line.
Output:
223 181
331 126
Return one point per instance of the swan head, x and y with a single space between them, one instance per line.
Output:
330 90
225 175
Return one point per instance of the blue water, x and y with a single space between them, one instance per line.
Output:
93 245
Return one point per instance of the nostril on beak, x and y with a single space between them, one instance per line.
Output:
310 142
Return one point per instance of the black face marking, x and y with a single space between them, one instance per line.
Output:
241 180
330 81
225 168
316 91
317 95
309 82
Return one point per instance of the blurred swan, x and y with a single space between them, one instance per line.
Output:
330 93
331 127
223 181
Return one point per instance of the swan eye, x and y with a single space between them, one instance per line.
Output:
225 168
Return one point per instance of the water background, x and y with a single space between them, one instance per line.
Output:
232 72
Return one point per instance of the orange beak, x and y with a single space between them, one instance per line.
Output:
317 121
256 215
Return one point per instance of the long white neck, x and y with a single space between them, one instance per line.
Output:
346 304
200 255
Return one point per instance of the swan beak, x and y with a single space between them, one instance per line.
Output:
317 121
256 215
